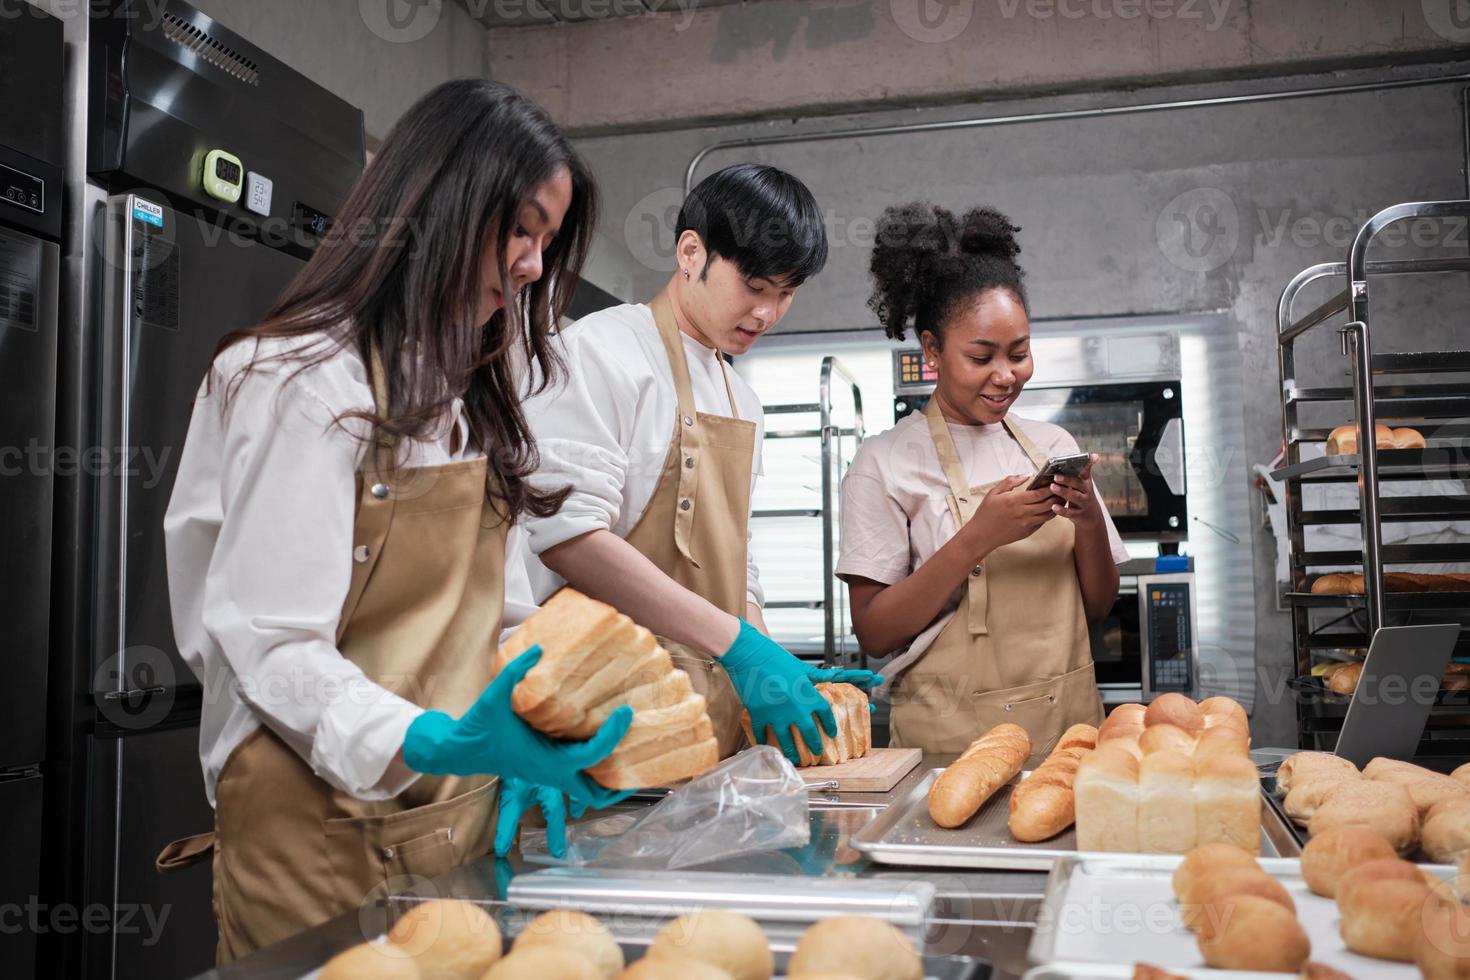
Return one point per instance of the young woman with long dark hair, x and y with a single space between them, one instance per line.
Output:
337 535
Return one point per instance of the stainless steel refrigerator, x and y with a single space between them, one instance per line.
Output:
178 114
31 152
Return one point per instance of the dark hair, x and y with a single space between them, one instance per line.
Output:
760 218
926 263
400 272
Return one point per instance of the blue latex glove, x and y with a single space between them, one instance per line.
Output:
517 796
778 690
490 738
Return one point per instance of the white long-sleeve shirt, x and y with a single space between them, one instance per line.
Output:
259 542
605 429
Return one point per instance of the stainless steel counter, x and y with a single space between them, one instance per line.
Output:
987 915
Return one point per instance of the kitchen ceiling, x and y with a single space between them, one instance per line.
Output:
538 13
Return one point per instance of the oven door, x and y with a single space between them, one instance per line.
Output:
1137 430
1116 650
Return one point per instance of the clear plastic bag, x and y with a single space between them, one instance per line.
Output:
751 802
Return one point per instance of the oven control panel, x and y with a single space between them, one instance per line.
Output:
1166 633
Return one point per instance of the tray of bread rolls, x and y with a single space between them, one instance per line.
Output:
1160 778
1221 909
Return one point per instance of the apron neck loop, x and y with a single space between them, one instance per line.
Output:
385 456
673 338
949 457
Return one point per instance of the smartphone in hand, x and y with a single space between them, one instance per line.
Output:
1069 465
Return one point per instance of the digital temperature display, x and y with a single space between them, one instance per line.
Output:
311 220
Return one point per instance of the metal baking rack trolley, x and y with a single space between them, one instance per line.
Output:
1428 390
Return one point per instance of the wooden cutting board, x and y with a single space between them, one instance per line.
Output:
877 772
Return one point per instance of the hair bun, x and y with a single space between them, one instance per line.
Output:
987 231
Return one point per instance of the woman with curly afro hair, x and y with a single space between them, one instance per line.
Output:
947 556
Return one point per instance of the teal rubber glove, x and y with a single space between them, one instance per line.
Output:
490 738
778 690
517 796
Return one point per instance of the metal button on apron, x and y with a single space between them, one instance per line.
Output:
388 853
380 490
976 570
689 462
685 504
688 420
360 553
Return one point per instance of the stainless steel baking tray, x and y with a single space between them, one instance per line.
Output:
1111 909
904 834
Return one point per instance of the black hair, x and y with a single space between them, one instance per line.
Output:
926 264
446 184
760 218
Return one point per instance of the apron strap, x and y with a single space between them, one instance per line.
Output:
686 424
1037 457
375 495
962 502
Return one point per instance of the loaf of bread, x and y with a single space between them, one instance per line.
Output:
1227 802
1333 853
1305 763
1220 711
1107 800
1175 709
1044 804
594 659
1442 949
1343 440
1426 787
1251 933
991 761
858 946
1384 808
1446 831
1203 864
1165 737
735 943
448 939
1166 803
854 728
576 931
1222 740
1351 583
1124 721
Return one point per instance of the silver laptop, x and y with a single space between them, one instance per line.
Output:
1400 680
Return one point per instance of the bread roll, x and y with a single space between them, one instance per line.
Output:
448 939
1166 807
1385 919
1383 808
672 966
1213 895
1343 440
1442 949
1107 801
1222 739
857 944
1044 804
543 963
1333 583
854 736
1333 853
1364 878
1308 793
371 961
1220 710
1407 438
1446 831
1174 709
989 763
1125 719
593 660
1165 737
1303 763
1147 971
1254 935
576 931
728 940
1321 971
1345 679
1203 863
1227 802
1425 786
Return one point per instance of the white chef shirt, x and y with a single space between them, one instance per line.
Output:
604 429
259 542
895 514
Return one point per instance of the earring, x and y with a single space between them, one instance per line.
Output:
686 275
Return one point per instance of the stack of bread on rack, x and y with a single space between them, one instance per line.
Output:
854 738
1343 440
1406 805
1351 583
1343 677
594 659
1169 777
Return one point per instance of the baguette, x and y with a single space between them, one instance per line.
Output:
989 763
1045 804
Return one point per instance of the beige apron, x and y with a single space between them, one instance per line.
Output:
1017 648
421 618
694 527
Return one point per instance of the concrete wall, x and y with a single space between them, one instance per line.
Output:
1196 209
379 55
789 57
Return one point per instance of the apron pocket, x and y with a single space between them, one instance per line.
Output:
428 856
1045 709
929 711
